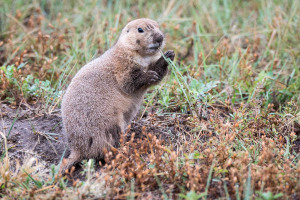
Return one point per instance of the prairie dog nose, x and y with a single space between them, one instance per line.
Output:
158 38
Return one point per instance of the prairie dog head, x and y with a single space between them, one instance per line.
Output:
142 36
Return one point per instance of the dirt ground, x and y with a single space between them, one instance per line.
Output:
31 133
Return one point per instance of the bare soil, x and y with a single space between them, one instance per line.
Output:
29 132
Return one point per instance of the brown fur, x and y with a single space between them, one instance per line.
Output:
106 93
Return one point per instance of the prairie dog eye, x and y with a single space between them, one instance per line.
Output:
140 30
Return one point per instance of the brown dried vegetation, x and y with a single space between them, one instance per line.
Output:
238 151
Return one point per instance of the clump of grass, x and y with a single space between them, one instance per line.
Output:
18 88
28 61
31 179
15 176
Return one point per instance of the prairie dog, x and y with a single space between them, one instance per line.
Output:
106 93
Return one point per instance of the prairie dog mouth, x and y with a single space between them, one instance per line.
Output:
155 46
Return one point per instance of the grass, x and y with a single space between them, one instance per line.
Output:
230 104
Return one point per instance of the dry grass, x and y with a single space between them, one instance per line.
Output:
218 166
